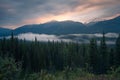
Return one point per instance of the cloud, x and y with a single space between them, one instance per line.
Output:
14 13
41 37
98 35
81 38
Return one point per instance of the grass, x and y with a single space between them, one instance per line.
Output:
78 74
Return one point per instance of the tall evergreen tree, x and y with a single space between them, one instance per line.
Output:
104 55
94 57
117 56
112 57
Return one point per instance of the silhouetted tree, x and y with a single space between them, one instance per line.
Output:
104 55
117 56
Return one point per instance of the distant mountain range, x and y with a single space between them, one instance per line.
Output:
112 25
64 27
4 32
67 27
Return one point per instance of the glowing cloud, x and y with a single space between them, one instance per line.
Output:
15 13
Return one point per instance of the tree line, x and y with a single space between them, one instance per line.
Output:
56 56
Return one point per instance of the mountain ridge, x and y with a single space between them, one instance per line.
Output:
68 27
4 31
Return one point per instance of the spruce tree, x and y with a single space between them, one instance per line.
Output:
104 55
112 57
93 56
117 57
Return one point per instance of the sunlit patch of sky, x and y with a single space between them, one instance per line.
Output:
15 13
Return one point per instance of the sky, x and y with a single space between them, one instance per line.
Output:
15 13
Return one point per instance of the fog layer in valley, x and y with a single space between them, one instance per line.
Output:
81 38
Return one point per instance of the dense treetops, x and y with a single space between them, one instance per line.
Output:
55 56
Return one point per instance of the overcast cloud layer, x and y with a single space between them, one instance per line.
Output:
14 13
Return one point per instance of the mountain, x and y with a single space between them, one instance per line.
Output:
71 27
4 31
67 27
54 27
112 25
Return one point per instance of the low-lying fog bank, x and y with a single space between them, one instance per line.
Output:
81 38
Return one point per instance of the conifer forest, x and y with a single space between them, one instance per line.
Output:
34 60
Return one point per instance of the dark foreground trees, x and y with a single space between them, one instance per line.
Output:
9 69
117 49
57 56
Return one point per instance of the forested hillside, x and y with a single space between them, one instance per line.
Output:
20 58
